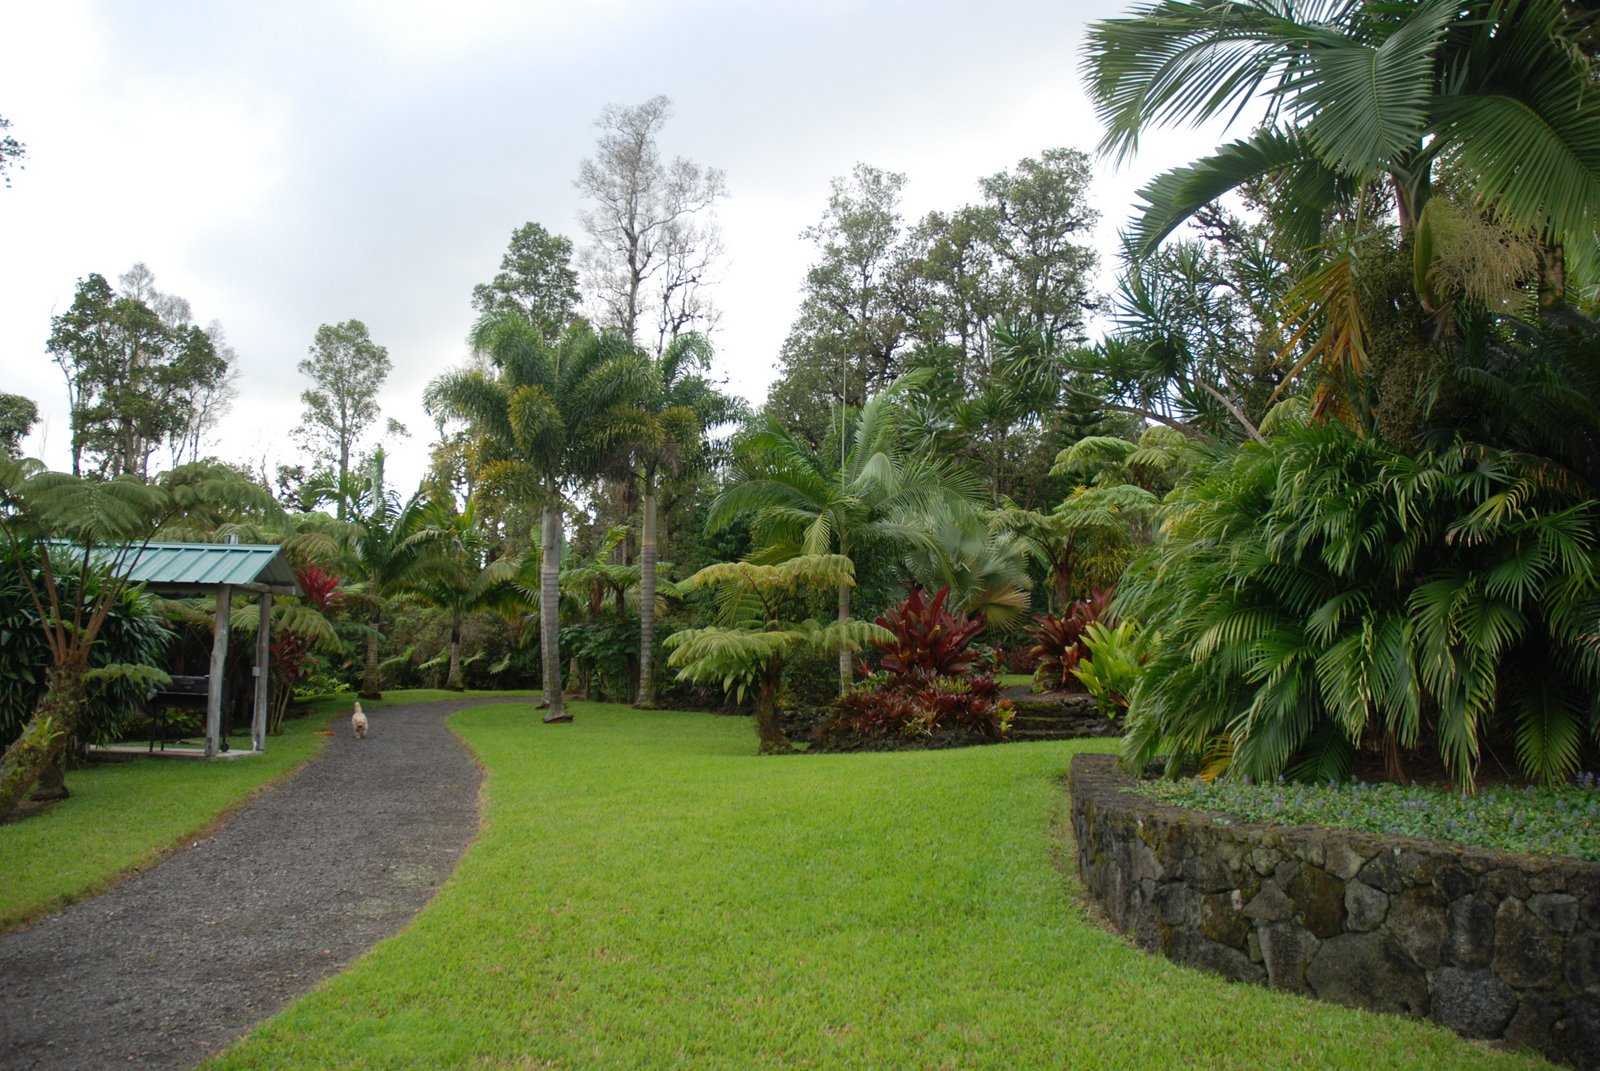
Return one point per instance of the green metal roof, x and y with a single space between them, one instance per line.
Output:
164 565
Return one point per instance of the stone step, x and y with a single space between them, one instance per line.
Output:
1110 728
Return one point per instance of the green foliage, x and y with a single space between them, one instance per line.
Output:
758 634
18 415
1059 641
1554 820
1113 664
139 371
982 564
1358 91
535 281
607 652
126 661
1323 592
346 369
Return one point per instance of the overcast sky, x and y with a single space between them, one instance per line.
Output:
286 165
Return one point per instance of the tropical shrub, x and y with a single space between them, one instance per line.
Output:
1058 642
1113 664
927 638
925 682
757 633
920 704
134 634
1323 593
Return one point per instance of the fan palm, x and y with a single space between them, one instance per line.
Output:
1324 592
861 488
1356 91
984 566
545 419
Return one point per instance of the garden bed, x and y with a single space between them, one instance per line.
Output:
1492 944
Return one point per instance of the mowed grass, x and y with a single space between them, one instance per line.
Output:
124 816
647 893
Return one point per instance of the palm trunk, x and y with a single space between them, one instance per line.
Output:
647 600
844 653
44 738
452 680
371 687
550 610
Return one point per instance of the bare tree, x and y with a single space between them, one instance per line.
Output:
652 228
207 402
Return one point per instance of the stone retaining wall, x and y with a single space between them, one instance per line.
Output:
1491 944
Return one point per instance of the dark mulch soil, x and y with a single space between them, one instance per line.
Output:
178 962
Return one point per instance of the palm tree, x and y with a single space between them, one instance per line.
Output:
451 574
984 566
1358 91
382 554
667 424
861 488
545 418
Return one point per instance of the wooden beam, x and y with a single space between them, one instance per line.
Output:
263 668
219 671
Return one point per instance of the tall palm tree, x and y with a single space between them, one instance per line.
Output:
1358 91
667 420
545 419
860 488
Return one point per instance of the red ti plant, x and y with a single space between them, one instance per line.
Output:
929 641
1058 641
290 649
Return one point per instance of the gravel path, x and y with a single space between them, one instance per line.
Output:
176 963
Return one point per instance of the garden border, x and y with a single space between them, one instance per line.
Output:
1494 945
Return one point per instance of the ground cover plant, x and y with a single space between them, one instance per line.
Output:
646 893
1553 821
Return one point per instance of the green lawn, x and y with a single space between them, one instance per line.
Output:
647 893
123 816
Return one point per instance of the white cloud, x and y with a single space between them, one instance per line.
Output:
293 164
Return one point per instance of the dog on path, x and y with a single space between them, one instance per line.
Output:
358 723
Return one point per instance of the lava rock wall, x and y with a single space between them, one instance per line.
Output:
1491 944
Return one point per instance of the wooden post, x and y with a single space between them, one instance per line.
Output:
258 723
219 671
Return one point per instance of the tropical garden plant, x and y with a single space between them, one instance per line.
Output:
925 682
544 418
1325 593
75 528
759 629
863 487
1059 643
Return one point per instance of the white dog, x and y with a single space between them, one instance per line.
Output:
358 723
